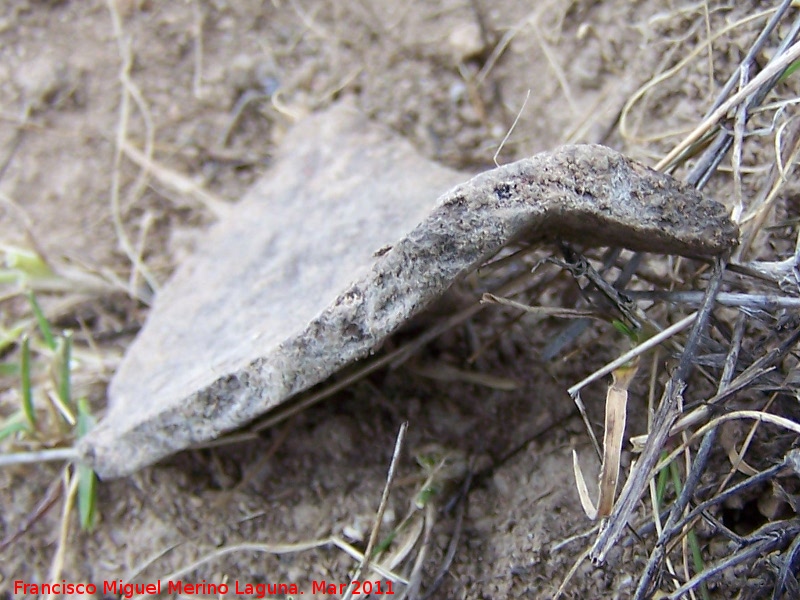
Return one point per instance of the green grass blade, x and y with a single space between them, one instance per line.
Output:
41 320
789 71
694 546
8 337
698 562
85 418
87 497
26 262
64 378
25 378
14 424
625 330
87 480
661 483
383 545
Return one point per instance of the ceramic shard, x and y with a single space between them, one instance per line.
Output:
349 235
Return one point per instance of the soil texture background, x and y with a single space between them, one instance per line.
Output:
124 123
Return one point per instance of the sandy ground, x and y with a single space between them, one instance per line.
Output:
211 88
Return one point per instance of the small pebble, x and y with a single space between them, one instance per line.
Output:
465 42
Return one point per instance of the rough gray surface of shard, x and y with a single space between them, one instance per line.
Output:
348 236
